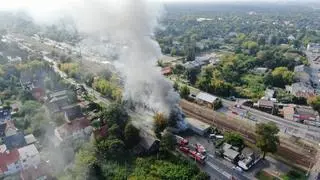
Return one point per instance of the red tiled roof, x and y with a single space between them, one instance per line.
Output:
8 158
74 126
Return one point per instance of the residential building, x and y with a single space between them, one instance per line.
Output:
29 156
10 128
30 139
76 129
57 103
40 172
72 112
148 143
9 162
206 99
301 90
248 158
229 153
14 141
265 105
288 113
197 126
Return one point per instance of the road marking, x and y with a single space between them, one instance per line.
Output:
227 175
210 155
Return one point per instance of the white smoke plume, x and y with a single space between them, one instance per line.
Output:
127 23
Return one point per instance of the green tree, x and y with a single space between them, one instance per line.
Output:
281 76
160 123
110 148
201 176
115 113
184 92
85 159
131 135
267 139
168 142
234 139
115 131
29 107
217 104
315 103
176 86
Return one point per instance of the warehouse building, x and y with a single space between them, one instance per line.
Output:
197 126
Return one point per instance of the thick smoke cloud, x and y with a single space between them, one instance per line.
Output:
129 24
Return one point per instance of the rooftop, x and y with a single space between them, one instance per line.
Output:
15 141
266 103
59 94
28 151
30 139
147 140
230 153
67 129
305 111
206 97
73 111
8 158
198 124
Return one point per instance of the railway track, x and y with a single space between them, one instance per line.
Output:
225 123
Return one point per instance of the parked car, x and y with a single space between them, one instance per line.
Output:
238 169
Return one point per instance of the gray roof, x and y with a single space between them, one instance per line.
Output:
197 124
147 140
206 97
230 153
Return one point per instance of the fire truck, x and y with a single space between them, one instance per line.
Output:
181 141
199 148
193 154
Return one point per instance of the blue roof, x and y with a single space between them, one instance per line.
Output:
15 141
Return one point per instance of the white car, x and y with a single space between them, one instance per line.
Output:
237 168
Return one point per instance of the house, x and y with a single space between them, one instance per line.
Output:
206 99
76 129
166 71
197 126
265 105
58 94
288 113
14 141
301 90
29 156
72 112
248 158
229 153
40 172
30 139
5 114
9 162
148 143
57 103
10 129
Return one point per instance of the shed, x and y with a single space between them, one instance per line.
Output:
197 126
207 99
